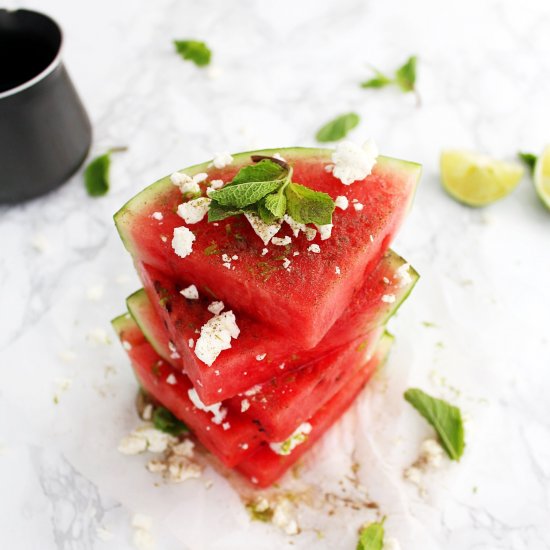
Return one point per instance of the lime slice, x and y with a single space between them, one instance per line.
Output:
478 180
541 177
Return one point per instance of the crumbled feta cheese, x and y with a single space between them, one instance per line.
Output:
341 202
329 168
216 336
221 160
141 521
325 231
185 448
315 248
163 238
353 162
218 412
193 211
283 517
226 426
391 544
172 380
187 184
261 356
244 446
95 293
147 412
191 343
145 438
227 265
264 230
216 184
388 298
216 307
157 216
190 292
254 479
402 273
264 251
282 366
209 193
337 270
296 253
182 242
234 257
132 445
126 345
200 177
286 263
226 258
277 241
358 206
245 405
297 437
296 227
98 336
431 453
414 475
143 540
253 390
371 238
181 469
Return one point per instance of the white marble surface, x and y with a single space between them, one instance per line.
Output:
283 68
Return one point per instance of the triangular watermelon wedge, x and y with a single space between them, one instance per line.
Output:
294 289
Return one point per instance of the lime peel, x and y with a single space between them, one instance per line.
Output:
541 177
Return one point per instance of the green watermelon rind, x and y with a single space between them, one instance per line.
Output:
151 194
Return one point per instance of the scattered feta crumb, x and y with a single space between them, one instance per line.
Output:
221 160
215 336
403 275
145 438
234 257
264 251
227 265
297 437
386 281
193 211
325 231
172 380
226 426
282 366
245 405
391 544
226 258
218 412
253 390
216 184
315 248
200 177
216 307
183 240
431 453
163 238
353 162
261 356
296 227
147 412
95 293
283 517
337 270
190 292
264 230
141 521
244 446
286 263
143 539
341 202
185 183
388 298
358 206
254 479
329 168
157 216
191 343
413 474
277 241
296 253
98 336
126 345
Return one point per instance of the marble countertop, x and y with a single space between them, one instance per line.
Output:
475 330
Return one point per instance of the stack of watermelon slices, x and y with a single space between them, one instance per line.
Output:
300 319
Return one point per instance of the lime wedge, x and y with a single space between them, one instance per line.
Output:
478 180
541 177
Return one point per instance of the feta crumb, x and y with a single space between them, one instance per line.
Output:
298 436
227 265
414 475
226 258
264 251
191 343
172 380
234 257
141 521
216 184
371 238
147 412
157 216
132 445
145 438
254 479
329 168
388 298
126 345
182 242
244 446
325 231
431 453
261 356
218 412
403 275
226 426
353 162
337 270
315 248
391 544
215 336
282 366
95 293
386 280
191 292
341 202
277 241
216 307
296 253
264 230
283 517
185 448
98 336
193 211
221 160
286 263
200 177
143 540
245 405
185 183
163 238
358 206
296 227
209 192
253 390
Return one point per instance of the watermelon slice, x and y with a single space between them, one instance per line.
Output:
302 302
265 467
238 368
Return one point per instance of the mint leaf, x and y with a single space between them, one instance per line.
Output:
96 175
372 537
251 184
405 76
165 421
529 159
379 81
305 205
276 202
265 214
193 50
445 418
218 212
338 128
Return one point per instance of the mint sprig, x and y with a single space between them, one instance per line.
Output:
97 174
529 159
266 189
194 50
372 536
337 128
165 421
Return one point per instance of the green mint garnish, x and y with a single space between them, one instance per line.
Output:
165 421
529 159
96 175
446 419
266 189
338 128
404 77
193 50
372 536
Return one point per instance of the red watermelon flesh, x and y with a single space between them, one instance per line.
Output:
265 467
302 303
238 368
